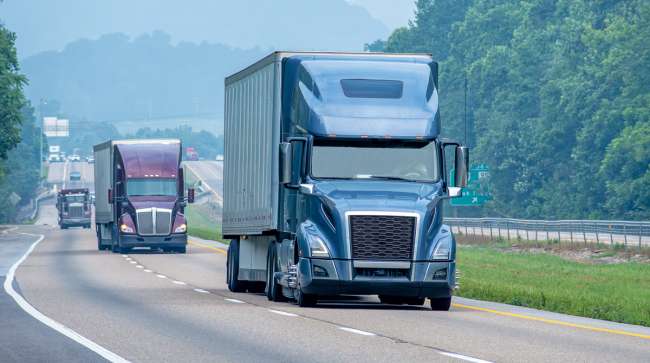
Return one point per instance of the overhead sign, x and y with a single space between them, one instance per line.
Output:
476 193
55 127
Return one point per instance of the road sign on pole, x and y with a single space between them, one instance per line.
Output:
476 193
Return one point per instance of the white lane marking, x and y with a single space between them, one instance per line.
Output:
282 313
234 301
125 255
162 276
355 331
133 262
146 270
202 291
8 286
9 230
179 282
464 357
139 266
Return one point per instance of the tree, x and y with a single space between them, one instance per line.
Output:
11 93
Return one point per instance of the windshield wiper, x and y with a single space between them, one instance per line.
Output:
385 177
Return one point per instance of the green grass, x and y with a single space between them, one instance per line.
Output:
199 225
616 292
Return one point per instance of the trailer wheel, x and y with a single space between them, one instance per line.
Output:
273 289
399 300
440 304
232 268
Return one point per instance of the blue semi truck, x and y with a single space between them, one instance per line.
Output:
335 177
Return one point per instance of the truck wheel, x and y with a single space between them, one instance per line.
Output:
232 268
273 289
305 300
440 304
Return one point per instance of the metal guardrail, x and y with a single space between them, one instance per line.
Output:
627 233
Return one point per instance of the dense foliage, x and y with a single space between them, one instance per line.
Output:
19 138
558 99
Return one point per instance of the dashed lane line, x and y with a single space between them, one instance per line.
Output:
357 331
234 301
283 313
464 357
202 291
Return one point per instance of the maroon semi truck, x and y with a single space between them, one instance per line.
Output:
139 195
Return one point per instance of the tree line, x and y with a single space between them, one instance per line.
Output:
558 100
19 138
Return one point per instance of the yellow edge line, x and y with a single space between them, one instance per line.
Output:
220 250
555 322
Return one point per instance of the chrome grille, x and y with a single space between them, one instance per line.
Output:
75 211
154 221
382 237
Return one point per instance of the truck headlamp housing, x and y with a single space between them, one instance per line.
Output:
126 224
317 247
126 229
181 229
442 250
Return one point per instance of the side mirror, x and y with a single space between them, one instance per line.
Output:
190 195
294 163
110 196
285 162
461 166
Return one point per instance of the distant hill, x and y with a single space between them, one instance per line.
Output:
118 78
44 25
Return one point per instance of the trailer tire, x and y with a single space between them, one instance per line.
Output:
232 268
440 303
305 300
273 289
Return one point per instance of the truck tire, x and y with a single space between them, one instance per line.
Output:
440 303
305 300
232 268
273 289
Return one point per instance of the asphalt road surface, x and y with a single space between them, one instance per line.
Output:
59 175
154 307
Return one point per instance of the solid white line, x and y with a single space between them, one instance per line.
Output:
282 313
9 230
179 282
234 301
464 357
29 309
162 276
355 331
202 291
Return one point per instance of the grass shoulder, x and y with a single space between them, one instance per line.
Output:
618 291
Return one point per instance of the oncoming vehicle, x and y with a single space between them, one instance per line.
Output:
140 197
335 177
73 206
75 176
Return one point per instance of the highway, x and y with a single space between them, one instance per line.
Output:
210 173
59 175
152 307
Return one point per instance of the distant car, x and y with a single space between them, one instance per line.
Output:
90 160
219 157
54 158
75 176
74 158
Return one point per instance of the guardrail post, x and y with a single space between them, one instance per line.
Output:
584 235
527 239
481 225
597 238
508 230
571 234
492 237
624 236
640 234
499 229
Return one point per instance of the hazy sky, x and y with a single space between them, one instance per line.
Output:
393 13
43 25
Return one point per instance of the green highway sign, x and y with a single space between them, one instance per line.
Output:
476 193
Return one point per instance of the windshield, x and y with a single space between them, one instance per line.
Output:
149 186
416 161
75 198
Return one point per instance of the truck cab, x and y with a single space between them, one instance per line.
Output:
357 183
73 207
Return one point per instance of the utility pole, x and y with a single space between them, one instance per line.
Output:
40 153
465 112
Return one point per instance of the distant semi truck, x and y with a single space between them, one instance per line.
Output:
335 177
54 154
191 154
73 206
139 195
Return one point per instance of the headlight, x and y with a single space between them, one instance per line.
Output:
181 229
126 229
443 249
318 247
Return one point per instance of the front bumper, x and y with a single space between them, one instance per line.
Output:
423 279
174 240
74 222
